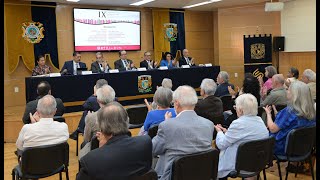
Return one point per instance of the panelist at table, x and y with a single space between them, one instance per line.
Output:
123 64
70 67
100 65
167 61
41 68
147 62
185 59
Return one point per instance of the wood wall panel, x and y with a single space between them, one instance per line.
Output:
300 60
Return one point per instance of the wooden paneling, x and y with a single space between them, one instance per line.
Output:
299 60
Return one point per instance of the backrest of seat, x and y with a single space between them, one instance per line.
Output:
226 102
203 165
138 114
150 175
254 156
300 141
153 130
59 119
44 159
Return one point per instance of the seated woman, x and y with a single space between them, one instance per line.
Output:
300 112
247 127
267 86
168 61
162 98
293 75
41 68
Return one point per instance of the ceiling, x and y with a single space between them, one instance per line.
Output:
177 4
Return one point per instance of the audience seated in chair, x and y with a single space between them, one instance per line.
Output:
187 133
278 94
43 89
266 86
118 156
309 77
223 81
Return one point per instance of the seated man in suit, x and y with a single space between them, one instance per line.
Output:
43 130
223 81
187 133
100 65
70 67
185 59
123 64
147 62
210 107
43 89
118 156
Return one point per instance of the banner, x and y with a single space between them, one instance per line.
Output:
257 70
179 43
257 49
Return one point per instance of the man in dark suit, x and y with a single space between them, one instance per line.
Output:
70 67
118 156
100 66
210 107
185 59
223 81
43 89
147 62
123 64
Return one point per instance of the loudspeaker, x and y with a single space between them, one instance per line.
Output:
278 43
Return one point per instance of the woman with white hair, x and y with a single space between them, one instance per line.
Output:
246 128
299 112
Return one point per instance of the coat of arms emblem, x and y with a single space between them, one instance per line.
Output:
144 83
257 50
171 31
32 31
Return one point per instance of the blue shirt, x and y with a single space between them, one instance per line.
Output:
287 120
165 63
156 117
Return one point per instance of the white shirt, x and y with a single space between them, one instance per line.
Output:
75 66
44 132
124 61
187 60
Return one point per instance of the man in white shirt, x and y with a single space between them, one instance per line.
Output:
43 130
185 59
147 62
124 64
100 65
70 67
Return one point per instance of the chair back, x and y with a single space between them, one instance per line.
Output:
278 108
153 130
59 119
203 165
300 141
41 160
150 175
254 156
137 114
227 102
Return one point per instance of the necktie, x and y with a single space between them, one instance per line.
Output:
187 60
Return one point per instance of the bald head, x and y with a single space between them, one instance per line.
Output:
47 106
277 81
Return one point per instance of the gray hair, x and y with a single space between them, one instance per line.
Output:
185 95
301 100
163 97
224 75
100 83
113 119
47 105
271 71
105 94
279 78
310 75
167 83
99 53
208 86
248 104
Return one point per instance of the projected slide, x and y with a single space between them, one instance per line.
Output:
104 30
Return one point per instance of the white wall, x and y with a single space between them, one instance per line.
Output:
298 25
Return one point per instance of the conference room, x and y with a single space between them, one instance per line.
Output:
105 72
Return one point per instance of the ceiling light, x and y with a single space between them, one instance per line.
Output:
200 4
141 2
73 0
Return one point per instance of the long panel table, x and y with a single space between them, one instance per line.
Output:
78 88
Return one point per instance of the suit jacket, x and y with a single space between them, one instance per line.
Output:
187 133
121 157
68 65
182 61
95 68
31 107
144 63
210 108
222 89
119 65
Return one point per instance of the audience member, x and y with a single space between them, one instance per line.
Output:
147 62
100 65
41 68
309 77
166 83
293 75
185 59
300 112
278 94
124 64
70 67
247 127
187 133
266 86
43 130
43 89
223 81
167 60
118 156
210 107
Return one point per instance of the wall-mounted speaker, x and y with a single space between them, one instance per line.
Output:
278 43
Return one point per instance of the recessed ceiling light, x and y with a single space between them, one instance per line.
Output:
73 0
141 2
200 4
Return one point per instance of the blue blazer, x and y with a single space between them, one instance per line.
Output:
69 66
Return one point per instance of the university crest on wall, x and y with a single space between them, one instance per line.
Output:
32 31
144 83
170 31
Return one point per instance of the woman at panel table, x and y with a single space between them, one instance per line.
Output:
168 61
41 68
